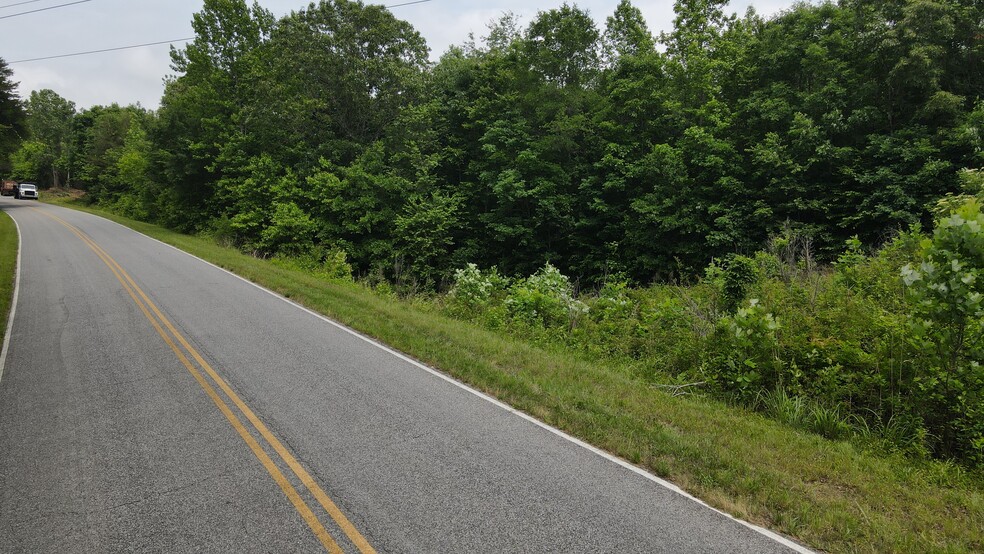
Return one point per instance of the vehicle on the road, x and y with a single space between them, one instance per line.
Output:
26 190
7 188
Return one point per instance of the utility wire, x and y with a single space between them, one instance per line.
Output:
18 4
44 9
143 45
103 50
408 3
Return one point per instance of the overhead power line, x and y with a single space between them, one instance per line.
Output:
100 51
44 9
141 45
19 4
408 3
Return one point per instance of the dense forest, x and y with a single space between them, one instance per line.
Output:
599 150
786 166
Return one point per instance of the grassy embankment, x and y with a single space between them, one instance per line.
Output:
827 494
8 266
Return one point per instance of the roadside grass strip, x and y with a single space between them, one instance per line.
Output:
9 262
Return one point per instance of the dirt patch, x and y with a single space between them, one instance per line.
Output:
62 192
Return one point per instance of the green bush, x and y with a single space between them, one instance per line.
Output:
747 356
291 231
545 299
670 334
473 291
612 323
330 263
222 231
947 329
972 187
849 263
739 274
895 362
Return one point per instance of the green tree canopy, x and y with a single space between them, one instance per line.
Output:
49 124
12 117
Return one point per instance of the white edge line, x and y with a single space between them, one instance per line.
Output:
13 300
608 456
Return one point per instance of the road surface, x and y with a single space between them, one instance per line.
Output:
150 402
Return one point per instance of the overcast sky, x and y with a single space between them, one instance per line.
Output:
136 75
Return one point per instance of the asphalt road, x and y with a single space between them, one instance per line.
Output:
151 402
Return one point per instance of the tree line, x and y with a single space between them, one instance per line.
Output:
600 150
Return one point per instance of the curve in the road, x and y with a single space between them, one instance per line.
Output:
172 337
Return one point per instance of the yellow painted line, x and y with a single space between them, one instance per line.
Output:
133 290
336 514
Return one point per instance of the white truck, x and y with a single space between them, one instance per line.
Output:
26 190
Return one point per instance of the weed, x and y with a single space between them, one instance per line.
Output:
783 407
828 422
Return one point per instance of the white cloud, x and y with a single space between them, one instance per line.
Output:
36 78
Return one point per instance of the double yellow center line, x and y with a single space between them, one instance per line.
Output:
182 349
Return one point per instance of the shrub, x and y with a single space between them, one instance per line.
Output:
947 329
855 352
739 274
849 263
672 336
222 231
473 291
424 234
290 231
748 358
971 185
329 263
545 299
612 325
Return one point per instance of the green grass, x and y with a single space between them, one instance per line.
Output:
827 494
8 266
